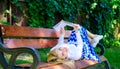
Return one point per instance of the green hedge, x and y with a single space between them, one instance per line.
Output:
98 16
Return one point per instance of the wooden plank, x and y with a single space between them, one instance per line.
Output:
82 64
88 63
78 64
20 31
35 43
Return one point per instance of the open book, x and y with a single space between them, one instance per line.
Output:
62 23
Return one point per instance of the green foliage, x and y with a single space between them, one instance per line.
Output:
102 17
4 22
44 53
112 54
98 16
42 12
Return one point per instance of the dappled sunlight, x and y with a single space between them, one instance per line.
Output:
25 57
42 32
47 33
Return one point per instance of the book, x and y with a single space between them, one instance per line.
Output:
62 23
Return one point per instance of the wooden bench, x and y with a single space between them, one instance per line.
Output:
16 40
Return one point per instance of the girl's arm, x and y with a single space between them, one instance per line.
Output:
60 40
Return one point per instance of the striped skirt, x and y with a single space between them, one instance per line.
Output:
88 51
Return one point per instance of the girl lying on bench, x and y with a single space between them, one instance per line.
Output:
78 47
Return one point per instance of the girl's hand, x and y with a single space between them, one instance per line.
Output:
62 30
76 27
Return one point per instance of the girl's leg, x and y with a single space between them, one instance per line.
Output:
94 38
88 50
91 35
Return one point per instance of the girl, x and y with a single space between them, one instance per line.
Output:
78 46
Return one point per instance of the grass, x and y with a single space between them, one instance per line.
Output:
43 54
112 54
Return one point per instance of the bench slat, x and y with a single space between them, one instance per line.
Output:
35 43
18 31
78 64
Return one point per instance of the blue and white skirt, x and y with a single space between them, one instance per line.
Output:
88 51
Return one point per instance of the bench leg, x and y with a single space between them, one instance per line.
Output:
107 65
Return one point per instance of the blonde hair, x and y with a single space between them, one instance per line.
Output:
52 57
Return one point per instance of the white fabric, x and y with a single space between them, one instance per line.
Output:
60 42
62 23
59 25
74 53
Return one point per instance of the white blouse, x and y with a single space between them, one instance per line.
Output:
74 53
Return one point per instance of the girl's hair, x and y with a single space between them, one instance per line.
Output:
52 57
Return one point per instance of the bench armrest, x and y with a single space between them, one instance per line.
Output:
17 51
102 49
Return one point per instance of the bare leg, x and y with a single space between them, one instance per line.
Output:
91 35
94 38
